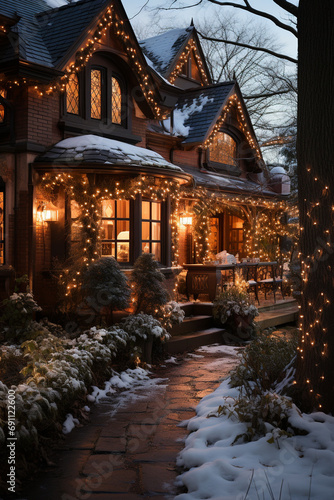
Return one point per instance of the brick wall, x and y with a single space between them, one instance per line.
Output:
43 118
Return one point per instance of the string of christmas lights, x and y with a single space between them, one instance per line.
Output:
190 47
110 23
233 102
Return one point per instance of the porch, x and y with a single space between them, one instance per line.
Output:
198 327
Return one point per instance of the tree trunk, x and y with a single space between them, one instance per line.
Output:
315 146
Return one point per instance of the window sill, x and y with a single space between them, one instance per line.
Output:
80 127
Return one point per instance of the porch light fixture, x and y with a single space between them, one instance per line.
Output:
186 220
46 214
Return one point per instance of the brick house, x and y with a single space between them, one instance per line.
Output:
107 141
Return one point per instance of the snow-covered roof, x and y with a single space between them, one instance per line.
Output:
162 49
93 149
46 29
197 111
216 181
181 115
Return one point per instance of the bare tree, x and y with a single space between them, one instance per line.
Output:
268 85
315 158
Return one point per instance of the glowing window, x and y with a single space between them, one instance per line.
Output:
95 94
3 93
2 231
116 101
223 149
151 228
116 229
72 95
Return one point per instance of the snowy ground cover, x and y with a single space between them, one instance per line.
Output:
294 464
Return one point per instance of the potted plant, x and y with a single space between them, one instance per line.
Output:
234 308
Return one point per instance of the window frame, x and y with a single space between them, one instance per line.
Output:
115 240
3 239
151 221
79 96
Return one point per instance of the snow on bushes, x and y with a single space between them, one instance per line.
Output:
249 440
143 326
58 371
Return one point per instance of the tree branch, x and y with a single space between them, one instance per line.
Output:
246 46
260 13
267 94
289 7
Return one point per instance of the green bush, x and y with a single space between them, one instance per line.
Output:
147 282
105 287
263 363
17 316
263 374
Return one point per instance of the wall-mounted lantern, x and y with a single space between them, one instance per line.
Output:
47 213
186 220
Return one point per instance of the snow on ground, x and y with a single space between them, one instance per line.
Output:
132 382
299 467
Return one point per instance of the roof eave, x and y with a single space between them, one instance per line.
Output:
105 168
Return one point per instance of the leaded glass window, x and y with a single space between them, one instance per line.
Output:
223 149
95 94
2 108
72 95
116 101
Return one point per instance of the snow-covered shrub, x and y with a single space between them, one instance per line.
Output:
143 326
105 287
172 314
233 302
263 372
263 413
17 315
263 363
234 308
147 282
57 371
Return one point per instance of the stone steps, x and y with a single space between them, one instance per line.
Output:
192 324
194 340
198 327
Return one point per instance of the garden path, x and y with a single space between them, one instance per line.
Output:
128 450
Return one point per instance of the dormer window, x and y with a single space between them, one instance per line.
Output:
190 68
97 101
72 95
223 149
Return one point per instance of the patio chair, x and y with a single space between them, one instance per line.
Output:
249 274
269 278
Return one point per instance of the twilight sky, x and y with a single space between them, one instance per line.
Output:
132 7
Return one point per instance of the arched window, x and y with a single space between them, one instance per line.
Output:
223 149
116 101
72 95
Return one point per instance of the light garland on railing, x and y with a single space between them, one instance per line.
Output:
109 20
232 102
191 46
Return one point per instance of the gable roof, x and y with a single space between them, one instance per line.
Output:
163 49
43 35
61 27
199 110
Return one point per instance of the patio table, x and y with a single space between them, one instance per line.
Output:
204 278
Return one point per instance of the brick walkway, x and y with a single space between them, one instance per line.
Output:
128 451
